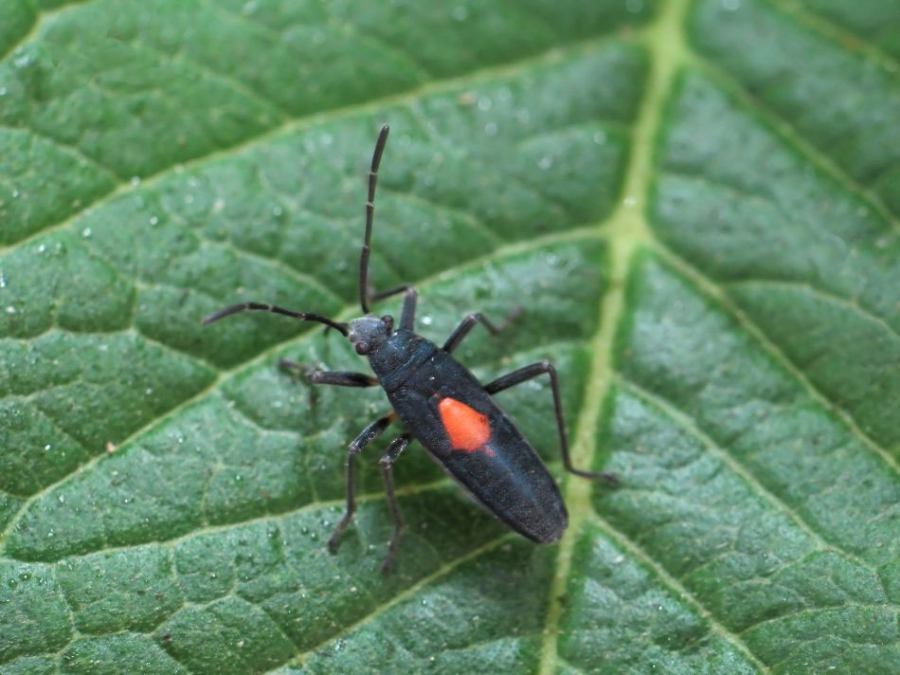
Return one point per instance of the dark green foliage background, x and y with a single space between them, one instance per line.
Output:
697 202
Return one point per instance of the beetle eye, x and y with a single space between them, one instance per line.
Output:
362 347
388 321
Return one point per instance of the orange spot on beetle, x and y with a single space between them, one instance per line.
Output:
467 428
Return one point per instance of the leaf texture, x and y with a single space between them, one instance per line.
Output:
698 205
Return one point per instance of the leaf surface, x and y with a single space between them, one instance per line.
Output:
697 205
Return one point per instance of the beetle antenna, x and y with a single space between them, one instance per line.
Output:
370 217
259 306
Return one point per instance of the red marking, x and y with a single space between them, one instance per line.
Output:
468 429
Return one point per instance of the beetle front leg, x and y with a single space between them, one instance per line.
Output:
397 446
368 434
530 372
408 314
468 323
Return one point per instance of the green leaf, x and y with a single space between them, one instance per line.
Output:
698 204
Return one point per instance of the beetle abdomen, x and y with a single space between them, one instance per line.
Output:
447 410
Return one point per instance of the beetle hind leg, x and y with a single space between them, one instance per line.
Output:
397 446
410 297
368 434
530 372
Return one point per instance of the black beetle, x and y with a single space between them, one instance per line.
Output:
443 406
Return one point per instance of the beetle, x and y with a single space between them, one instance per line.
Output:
442 405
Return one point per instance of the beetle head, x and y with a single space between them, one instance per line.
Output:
368 332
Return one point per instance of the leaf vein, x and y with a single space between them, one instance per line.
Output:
792 136
712 291
624 541
691 426
442 571
826 295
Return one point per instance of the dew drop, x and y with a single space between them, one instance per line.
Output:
545 162
427 320
48 446
148 391
15 194
154 220
135 181
86 233
2 280
2 91
484 103
62 499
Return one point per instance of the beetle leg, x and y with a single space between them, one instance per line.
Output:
367 436
397 446
340 378
468 323
529 372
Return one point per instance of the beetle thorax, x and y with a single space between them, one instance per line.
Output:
368 332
